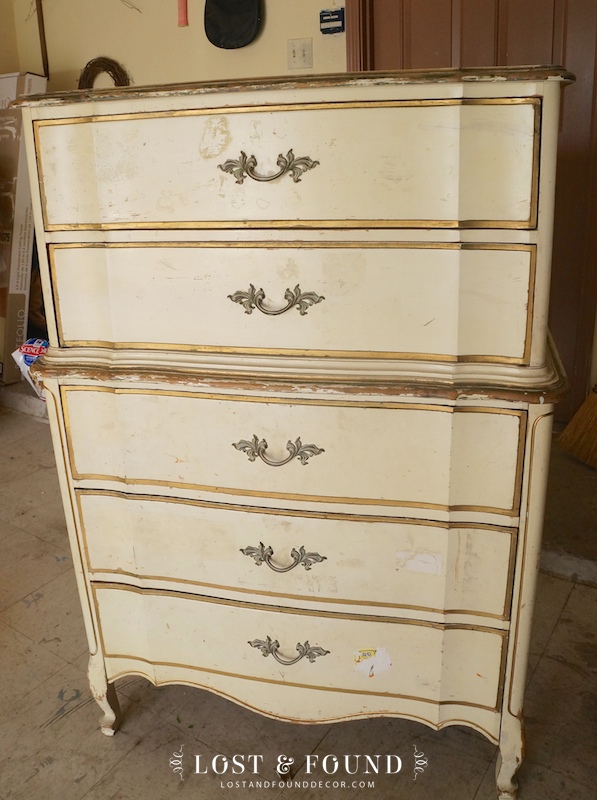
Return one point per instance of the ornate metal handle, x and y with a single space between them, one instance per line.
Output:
245 167
254 299
269 647
257 447
263 554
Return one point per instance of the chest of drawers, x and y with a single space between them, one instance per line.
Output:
300 386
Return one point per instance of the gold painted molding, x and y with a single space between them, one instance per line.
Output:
522 360
512 532
315 687
529 224
523 544
98 587
301 612
512 511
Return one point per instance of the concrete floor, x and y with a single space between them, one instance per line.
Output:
51 747
571 511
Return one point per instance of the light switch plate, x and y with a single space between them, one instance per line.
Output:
300 53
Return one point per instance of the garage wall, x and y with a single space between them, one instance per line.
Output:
143 35
9 56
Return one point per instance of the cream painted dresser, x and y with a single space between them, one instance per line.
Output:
300 386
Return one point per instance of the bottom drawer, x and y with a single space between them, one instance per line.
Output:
434 663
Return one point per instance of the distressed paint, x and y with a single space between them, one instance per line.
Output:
372 662
428 563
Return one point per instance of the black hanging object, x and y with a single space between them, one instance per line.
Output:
232 23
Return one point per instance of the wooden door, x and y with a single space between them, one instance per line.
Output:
420 34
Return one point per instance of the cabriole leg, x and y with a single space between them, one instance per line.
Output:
104 694
509 758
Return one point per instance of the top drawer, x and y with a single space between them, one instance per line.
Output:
445 163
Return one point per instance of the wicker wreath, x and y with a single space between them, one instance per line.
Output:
103 64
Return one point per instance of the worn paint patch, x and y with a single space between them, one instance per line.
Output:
371 662
216 137
323 584
429 563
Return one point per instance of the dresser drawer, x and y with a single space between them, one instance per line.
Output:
426 456
399 300
425 163
439 664
424 566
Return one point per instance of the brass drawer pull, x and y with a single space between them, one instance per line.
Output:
254 298
269 647
245 167
263 554
257 447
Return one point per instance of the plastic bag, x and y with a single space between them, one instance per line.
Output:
25 356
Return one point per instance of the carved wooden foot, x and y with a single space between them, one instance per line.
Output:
507 785
509 758
104 694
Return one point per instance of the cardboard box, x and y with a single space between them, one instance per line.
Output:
16 222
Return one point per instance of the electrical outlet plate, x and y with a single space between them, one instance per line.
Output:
300 53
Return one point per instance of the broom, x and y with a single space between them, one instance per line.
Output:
579 437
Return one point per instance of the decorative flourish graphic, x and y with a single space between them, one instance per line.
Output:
284 764
420 762
269 647
263 554
254 298
245 167
176 763
256 449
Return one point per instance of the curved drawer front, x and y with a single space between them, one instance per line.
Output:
445 664
433 457
470 163
446 301
213 546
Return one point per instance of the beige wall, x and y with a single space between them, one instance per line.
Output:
9 57
143 35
